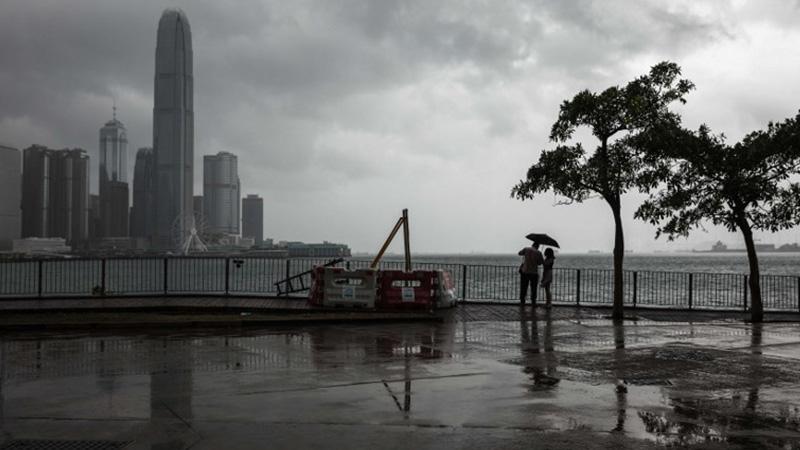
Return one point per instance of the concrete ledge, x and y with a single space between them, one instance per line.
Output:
47 321
127 303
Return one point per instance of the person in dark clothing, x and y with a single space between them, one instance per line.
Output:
529 272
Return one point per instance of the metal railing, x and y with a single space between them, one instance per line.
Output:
257 276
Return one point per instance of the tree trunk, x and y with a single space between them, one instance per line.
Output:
756 307
619 253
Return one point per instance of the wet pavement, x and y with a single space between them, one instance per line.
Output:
485 377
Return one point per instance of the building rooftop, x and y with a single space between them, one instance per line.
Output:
114 123
222 153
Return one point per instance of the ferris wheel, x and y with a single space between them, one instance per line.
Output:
189 234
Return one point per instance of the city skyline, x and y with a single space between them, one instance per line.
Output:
317 106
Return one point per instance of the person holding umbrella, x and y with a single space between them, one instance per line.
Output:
529 272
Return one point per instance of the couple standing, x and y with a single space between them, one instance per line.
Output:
529 273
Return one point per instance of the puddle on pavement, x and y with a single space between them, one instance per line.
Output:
676 395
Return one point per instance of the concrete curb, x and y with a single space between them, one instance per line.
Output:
87 320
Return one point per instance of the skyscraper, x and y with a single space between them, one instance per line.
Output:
198 208
11 197
95 220
253 218
173 129
114 205
221 193
55 193
113 151
113 179
69 196
143 210
35 190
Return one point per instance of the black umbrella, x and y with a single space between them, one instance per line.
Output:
543 239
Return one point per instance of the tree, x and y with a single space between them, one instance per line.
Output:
747 186
613 116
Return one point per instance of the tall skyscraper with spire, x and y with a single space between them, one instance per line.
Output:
113 180
113 150
173 130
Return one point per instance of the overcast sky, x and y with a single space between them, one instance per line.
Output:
344 112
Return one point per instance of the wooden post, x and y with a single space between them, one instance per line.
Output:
578 287
635 283
406 241
386 243
691 279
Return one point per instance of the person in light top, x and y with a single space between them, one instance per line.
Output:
547 275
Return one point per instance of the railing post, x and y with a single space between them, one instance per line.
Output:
635 287
578 287
463 282
40 276
166 274
347 265
691 282
288 268
745 293
103 277
227 275
798 293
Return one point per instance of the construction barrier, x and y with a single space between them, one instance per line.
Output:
317 289
357 288
388 289
407 290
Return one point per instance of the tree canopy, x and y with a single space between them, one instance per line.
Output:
614 166
751 185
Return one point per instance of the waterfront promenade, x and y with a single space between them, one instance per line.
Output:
242 277
483 376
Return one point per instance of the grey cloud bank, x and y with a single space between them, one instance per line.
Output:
342 113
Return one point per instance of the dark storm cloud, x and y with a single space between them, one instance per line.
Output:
589 38
367 95
63 60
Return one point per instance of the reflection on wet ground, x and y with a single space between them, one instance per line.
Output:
567 377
